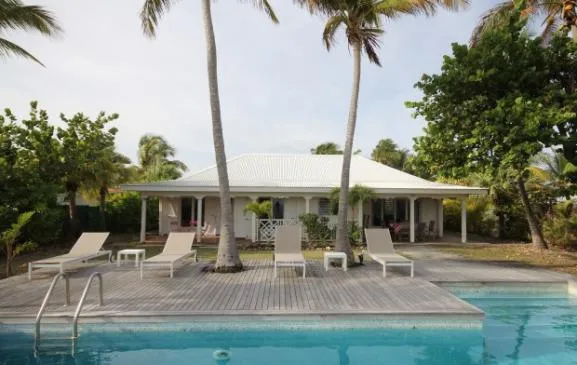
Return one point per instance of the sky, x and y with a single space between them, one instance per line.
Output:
281 91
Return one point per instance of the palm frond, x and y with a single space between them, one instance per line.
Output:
331 27
151 13
370 39
494 18
15 15
552 24
394 8
265 6
324 7
8 48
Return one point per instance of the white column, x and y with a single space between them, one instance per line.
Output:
412 219
142 219
440 217
464 220
307 204
192 199
406 217
254 228
360 214
198 218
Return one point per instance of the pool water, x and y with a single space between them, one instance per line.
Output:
519 329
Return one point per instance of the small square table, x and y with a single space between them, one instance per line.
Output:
335 255
137 252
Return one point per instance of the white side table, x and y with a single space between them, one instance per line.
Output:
137 252
336 255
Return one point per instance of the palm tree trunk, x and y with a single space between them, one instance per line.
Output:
342 244
102 207
536 236
9 257
73 210
227 259
574 33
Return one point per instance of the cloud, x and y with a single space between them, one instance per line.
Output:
281 91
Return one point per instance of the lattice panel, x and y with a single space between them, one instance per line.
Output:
267 227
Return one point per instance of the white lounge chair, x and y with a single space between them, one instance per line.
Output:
380 248
178 247
287 248
209 232
86 247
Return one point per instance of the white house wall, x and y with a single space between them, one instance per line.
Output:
242 220
293 207
212 212
428 210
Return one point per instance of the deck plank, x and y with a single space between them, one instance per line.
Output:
195 290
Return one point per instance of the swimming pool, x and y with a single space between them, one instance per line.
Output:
521 327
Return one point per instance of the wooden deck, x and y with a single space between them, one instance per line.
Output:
195 292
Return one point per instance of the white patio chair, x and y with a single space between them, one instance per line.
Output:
380 248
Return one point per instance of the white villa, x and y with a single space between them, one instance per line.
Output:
298 184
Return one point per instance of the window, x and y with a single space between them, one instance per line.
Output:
325 207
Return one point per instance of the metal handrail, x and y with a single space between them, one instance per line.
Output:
82 299
45 301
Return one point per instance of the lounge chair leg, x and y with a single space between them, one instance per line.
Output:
384 270
304 270
412 270
29 271
171 271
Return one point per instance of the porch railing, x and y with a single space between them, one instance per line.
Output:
267 228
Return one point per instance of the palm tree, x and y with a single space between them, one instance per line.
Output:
227 258
110 168
15 15
155 159
555 13
362 22
388 153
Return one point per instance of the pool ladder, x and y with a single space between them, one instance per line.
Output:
67 302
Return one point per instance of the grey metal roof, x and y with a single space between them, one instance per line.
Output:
257 172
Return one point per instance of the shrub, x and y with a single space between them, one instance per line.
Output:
123 213
560 226
317 227
482 218
46 227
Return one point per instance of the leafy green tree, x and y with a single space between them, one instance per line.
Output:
327 148
361 20
156 159
490 110
83 143
562 64
388 153
15 15
10 240
29 165
330 148
227 258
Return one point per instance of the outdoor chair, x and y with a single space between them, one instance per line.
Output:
177 248
287 248
431 232
380 248
86 247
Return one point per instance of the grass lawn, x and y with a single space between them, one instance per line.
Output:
552 259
